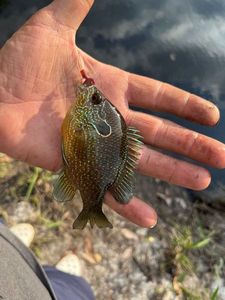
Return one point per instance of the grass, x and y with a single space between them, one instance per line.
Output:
184 249
214 295
188 243
32 183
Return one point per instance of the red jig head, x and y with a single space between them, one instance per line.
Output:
87 81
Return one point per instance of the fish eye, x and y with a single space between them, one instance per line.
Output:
96 99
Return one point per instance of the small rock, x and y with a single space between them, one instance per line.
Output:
24 232
24 212
181 202
165 198
128 234
97 257
142 232
70 264
89 258
169 296
47 187
127 253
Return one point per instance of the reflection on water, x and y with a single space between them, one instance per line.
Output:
180 42
172 40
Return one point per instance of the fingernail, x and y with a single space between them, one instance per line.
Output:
154 224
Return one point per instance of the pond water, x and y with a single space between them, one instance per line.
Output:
179 42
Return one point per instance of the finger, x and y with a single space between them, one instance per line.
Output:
158 96
70 13
158 165
170 136
135 211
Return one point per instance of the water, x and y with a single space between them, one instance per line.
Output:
180 42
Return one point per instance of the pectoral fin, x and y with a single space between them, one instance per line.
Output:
122 188
63 190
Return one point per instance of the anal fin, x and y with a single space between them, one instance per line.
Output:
122 188
63 190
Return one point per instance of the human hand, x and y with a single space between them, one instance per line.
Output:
39 70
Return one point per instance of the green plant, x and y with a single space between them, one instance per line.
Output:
214 295
32 182
183 245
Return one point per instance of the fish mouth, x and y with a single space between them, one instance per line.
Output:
83 93
89 82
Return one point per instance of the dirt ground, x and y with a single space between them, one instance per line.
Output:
181 258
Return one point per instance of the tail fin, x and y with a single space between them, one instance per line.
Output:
95 216
81 220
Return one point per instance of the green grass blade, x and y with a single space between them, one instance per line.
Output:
214 294
200 244
32 183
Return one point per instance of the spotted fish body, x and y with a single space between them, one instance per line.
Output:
99 152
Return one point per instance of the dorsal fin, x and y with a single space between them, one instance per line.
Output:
122 188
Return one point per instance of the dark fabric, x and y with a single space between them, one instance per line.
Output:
68 287
22 277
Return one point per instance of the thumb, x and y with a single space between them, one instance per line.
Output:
70 13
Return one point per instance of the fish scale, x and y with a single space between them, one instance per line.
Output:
99 153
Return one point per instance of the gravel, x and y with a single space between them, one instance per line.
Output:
129 262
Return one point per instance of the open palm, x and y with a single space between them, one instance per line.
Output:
40 69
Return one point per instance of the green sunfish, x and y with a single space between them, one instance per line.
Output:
100 153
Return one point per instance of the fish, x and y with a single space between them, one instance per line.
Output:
99 152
